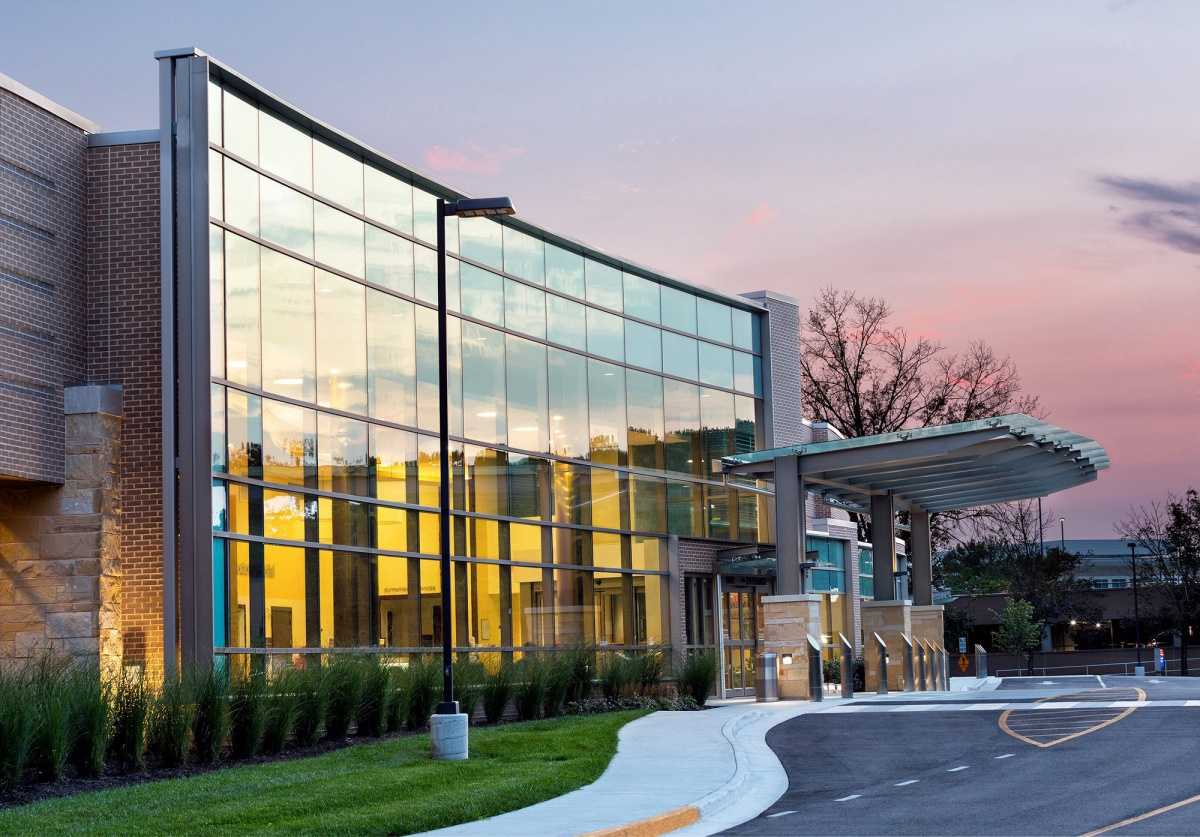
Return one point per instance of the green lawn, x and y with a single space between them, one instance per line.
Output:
391 787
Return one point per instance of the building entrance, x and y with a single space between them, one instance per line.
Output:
741 635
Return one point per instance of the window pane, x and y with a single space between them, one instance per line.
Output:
605 334
563 318
288 341
646 420
743 372
606 409
564 271
245 435
216 296
285 149
524 256
684 506
216 185
388 199
482 294
746 441
242 339
718 420
609 511
743 329
342 457
394 459
678 310
287 217
643 346
337 175
425 264
487 484
682 416
528 405
241 126
341 344
524 309
424 216
641 298
218 450
716 365
480 241
339 240
484 402
679 355
649 508
713 320
241 197
529 479
603 284
389 260
568 403
391 358
289 444
427 368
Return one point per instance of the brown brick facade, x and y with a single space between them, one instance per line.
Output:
125 348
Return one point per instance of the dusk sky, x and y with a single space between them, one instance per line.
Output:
1023 173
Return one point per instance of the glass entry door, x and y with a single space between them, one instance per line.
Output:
741 632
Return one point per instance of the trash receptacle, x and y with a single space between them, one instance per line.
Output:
766 679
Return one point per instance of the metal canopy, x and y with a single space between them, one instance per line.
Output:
936 469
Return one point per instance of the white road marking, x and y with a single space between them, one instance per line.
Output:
915 708
848 798
982 706
1125 704
1006 756
956 769
784 813
909 782
1191 703
1056 704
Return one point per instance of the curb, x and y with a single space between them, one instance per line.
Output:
713 803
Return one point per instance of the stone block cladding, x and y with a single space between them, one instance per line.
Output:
125 348
42 284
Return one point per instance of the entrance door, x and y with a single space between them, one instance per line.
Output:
740 627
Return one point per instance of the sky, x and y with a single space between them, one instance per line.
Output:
1022 173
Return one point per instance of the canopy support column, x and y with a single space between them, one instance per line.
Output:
790 524
883 545
921 558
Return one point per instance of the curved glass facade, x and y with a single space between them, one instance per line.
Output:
588 404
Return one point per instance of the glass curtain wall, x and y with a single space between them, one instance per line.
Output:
588 404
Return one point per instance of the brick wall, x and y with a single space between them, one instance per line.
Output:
125 348
42 283
782 367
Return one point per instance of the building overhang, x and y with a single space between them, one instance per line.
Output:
940 468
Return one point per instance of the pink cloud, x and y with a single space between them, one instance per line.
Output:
635 190
1194 370
475 159
762 216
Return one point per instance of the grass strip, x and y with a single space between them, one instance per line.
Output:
387 788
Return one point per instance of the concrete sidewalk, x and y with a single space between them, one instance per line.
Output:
671 767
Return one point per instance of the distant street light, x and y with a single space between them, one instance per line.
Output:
1062 533
1137 625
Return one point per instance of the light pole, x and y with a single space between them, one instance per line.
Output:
1137 625
1062 534
448 727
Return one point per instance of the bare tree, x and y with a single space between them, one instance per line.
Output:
974 385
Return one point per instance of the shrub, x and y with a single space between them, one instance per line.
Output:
646 672
312 695
558 684
17 724
345 685
832 670
131 714
171 719
425 688
52 722
616 676
468 679
282 706
400 694
697 676
210 724
91 713
373 706
531 686
860 675
247 713
497 691
581 662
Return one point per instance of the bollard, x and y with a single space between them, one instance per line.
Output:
935 652
881 687
847 666
922 683
944 681
980 662
816 677
909 675
930 668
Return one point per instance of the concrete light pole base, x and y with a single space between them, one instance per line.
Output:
448 737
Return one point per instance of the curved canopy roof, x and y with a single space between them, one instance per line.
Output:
935 469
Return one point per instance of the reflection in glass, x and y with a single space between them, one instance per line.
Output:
487 483
337 175
649 506
391 358
682 446
285 149
394 458
641 298
289 444
287 217
287 330
524 256
241 126
524 309
484 401
427 368
389 260
241 197
643 346
216 303
746 440
678 310
605 334
564 271
242 338
603 284
482 294
606 410
563 321
244 434
339 240
744 328
713 320
716 365
480 241
568 393
679 355
425 217
342 456
216 184
218 450
425 264
341 344
388 199
646 420
528 404
718 420
743 372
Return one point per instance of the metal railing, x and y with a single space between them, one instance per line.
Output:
1089 668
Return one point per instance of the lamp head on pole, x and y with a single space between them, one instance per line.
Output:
479 207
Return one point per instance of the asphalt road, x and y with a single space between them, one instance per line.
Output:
950 773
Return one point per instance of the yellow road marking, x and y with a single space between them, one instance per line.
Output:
1034 728
1145 816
